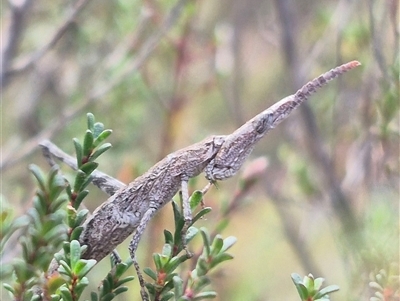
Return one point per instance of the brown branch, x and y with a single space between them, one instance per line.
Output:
103 181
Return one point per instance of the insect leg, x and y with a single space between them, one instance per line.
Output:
187 214
133 247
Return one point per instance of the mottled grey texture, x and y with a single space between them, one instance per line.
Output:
113 221
238 145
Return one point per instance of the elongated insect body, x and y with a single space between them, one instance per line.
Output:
238 145
131 207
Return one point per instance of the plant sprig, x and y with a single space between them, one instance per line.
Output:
168 284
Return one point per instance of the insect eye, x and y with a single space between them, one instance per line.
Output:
262 125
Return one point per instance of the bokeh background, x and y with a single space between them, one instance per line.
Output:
320 193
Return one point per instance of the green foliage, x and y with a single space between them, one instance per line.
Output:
54 222
168 285
309 288
111 286
44 232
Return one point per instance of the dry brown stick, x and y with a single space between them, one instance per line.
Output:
103 181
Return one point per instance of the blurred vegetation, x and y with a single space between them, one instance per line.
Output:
166 74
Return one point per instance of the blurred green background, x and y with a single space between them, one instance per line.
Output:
166 74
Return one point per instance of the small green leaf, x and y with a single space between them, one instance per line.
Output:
90 121
326 290
122 267
88 143
83 267
296 278
76 233
93 296
308 281
302 290
108 297
87 181
89 167
78 151
98 128
36 171
164 261
200 214
166 296
206 240
195 199
174 263
65 294
217 245
318 283
74 253
82 284
103 148
55 297
57 231
106 285
201 267
178 286
177 214
64 269
122 281
39 203
79 180
57 204
81 215
150 273
103 136
220 258
205 295
9 288
54 282
150 287
191 233
167 250
120 290
168 237
81 196
51 179
228 243
157 261
202 282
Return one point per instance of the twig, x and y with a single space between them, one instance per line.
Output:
103 181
